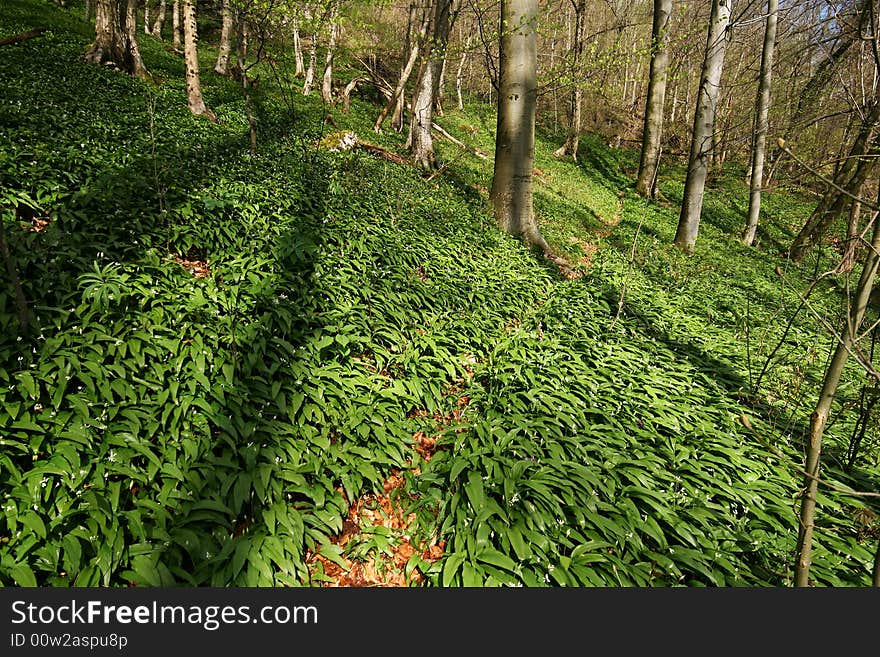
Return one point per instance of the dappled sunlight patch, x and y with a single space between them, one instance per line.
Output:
198 268
375 547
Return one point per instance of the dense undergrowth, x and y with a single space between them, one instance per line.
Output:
229 349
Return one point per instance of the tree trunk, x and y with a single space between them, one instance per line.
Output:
759 143
440 96
704 126
175 25
654 107
327 79
309 80
300 69
459 80
89 9
160 19
848 257
191 57
147 17
420 141
851 175
819 417
225 46
396 102
511 193
115 37
572 139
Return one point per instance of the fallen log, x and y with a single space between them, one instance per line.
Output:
24 36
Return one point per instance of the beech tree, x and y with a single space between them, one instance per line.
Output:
511 192
160 19
225 45
420 142
327 78
417 16
654 108
704 126
759 142
572 139
115 37
191 57
175 24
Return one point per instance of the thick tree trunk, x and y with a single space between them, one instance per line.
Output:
136 63
420 141
511 193
115 37
327 78
191 57
759 143
225 46
654 107
819 417
704 126
160 19
850 175
573 136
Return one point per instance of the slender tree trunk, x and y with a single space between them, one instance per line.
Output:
147 17
653 126
819 417
459 80
225 46
511 193
327 78
89 10
396 102
191 57
300 69
704 126
241 73
160 19
420 141
309 80
175 24
572 139
440 96
848 258
759 143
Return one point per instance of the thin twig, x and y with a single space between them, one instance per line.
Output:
787 461
632 257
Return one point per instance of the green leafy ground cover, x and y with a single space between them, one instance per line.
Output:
229 349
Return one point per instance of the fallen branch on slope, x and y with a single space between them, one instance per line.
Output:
24 36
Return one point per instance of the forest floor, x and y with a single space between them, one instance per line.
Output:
312 366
